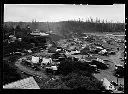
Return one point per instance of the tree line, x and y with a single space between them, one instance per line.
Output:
65 28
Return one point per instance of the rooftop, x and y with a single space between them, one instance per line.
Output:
28 83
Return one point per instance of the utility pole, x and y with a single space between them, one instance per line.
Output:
14 30
117 79
48 26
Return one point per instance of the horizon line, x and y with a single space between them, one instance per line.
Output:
64 21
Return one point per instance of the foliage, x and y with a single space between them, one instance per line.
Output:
80 80
67 28
9 76
67 66
119 72
85 51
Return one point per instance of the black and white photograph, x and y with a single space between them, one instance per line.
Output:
64 46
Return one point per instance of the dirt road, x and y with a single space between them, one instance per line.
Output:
116 58
27 70
109 72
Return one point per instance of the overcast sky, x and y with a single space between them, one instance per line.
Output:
53 13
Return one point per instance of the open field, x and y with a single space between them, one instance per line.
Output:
104 33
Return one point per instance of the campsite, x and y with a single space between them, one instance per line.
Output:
73 54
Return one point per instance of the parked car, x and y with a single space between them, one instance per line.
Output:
100 65
35 68
94 68
114 83
122 59
119 72
9 54
49 70
19 50
121 88
111 53
17 53
27 63
35 49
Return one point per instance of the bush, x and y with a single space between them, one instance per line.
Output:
67 66
74 80
120 72
9 76
99 65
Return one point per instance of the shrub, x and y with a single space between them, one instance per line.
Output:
9 76
74 80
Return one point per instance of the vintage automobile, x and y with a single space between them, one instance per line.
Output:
35 68
100 65
119 72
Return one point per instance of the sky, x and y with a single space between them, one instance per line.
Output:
62 12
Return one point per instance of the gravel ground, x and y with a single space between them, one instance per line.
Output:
109 72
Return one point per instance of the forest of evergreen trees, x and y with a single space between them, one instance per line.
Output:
64 28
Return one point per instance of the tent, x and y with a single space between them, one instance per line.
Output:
58 50
46 61
54 67
35 59
29 51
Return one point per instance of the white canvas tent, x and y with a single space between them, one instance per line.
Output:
35 59
46 61
54 67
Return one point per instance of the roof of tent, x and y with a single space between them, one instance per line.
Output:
35 59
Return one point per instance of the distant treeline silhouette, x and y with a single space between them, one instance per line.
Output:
66 28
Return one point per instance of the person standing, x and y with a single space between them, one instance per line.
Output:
118 49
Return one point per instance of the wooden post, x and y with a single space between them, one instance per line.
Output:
117 79
14 32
